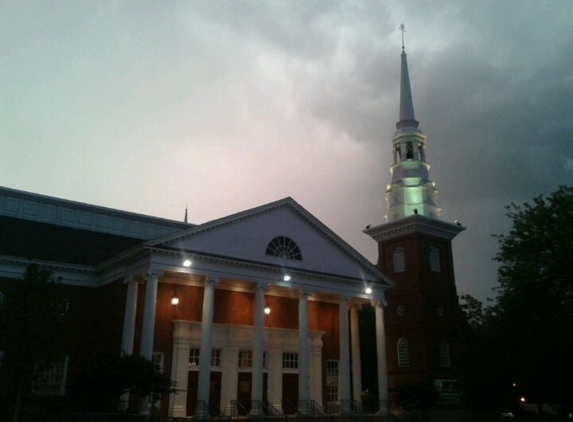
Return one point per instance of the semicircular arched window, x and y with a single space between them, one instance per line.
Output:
403 353
284 247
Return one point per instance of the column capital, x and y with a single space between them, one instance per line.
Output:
154 272
303 293
380 302
211 280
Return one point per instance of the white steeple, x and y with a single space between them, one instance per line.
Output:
411 191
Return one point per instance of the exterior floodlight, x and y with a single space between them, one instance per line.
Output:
174 300
286 277
187 263
267 310
368 290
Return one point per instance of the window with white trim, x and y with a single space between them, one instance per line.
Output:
51 381
245 358
290 360
194 356
399 260
216 357
403 353
434 259
332 380
444 354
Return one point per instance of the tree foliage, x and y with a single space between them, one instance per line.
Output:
535 295
522 345
114 375
31 330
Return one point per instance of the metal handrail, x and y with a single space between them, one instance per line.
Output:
271 410
316 409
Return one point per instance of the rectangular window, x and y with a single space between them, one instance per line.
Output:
194 357
157 358
216 357
290 360
51 381
332 380
245 358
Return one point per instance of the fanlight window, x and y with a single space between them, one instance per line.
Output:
284 247
403 353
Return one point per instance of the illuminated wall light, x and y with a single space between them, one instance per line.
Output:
522 399
286 277
174 300
267 310
187 263
368 290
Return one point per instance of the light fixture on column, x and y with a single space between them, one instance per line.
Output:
267 309
175 300
187 263
368 290
286 277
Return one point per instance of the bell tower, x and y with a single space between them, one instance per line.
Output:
415 251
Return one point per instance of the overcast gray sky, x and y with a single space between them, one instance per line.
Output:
148 106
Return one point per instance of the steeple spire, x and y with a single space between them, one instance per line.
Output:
407 118
411 191
185 218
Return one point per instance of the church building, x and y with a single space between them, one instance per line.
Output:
415 251
253 313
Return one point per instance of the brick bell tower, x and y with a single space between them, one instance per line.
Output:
415 250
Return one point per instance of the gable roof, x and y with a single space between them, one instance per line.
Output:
230 237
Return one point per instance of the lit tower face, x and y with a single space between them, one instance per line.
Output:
411 191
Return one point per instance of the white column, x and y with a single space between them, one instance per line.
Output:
128 329
147 332
356 363
382 364
205 353
230 377
129 316
275 380
303 367
316 370
258 349
180 368
344 352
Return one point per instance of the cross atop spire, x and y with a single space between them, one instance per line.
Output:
407 118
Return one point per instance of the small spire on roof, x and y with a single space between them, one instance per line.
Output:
185 218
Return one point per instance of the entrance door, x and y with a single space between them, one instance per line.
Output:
290 394
244 393
192 381
214 393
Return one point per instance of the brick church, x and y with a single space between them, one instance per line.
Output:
254 312
415 251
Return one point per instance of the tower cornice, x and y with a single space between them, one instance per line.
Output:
414 224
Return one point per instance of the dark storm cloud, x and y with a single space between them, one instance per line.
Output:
149 105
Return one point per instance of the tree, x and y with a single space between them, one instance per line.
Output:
534 311
31 330
114 375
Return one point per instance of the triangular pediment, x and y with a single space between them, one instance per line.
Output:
245 237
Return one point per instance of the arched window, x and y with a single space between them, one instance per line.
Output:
434 259
409 151
403 353
284 247
444 353
399 260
